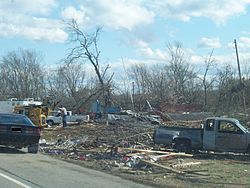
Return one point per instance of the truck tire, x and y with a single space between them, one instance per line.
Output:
33 148
50 122
183 146
79 121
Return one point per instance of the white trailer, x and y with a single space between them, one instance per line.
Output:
9 105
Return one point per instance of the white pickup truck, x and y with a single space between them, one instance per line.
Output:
55 118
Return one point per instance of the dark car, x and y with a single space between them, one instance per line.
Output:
18 131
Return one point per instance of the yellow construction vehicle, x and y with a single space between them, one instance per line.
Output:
36 113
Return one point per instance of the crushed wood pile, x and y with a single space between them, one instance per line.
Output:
126 146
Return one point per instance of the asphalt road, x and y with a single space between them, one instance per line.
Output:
21 169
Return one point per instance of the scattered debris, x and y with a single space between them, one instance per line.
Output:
164 167
123 142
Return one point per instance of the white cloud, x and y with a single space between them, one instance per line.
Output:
220 60
34 17
43 7
121 65
128 14
149 53
228 59
185 10
162 55
140 43
209 43
196 59
245 42
134 42
30 20
71 13
115 14
245 32
244 58
33 28
33 33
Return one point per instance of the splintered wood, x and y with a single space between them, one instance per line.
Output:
128 145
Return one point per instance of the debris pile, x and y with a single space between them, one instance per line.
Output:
101 139
115 145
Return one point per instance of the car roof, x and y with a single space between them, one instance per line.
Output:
222 118
11 114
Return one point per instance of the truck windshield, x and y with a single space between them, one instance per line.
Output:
241 126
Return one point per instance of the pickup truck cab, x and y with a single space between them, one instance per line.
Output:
216 134
55 118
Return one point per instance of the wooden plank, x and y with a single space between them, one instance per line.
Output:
197 173
161 166
183 165
157 152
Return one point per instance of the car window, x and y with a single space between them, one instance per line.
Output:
210 125
228 127
8 119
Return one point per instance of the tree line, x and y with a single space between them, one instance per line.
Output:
216 89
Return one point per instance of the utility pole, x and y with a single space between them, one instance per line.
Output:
133 88
132 95
238 61
241 83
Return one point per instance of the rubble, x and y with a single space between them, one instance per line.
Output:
120 142
123 145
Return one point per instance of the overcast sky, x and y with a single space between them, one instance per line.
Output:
133 30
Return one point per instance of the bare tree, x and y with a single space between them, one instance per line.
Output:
56 86
179 73
73 76
207 83
86 49
22 74
151 83
175 82
139 73
158 85
225 82
67 83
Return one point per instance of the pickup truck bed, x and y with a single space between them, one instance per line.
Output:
168 135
